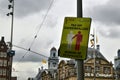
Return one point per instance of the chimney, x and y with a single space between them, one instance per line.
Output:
119 53
41 67
2 39
98 47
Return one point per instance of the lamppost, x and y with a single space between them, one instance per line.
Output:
11 6
11 52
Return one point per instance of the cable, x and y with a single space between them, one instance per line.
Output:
23 57
30 51
42 23
45 17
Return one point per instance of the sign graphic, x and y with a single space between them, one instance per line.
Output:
75 36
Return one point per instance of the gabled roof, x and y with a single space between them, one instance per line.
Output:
94 53
118 67
3 46
90 55
53 49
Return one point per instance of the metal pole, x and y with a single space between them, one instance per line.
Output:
94 55
79 8
80 63
11 41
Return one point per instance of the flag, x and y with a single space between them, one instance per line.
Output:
92 41
96 39
13 69
44 61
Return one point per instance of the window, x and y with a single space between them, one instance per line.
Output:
54 54
1 62
4 72
5 63
4 55
9 62
0 71
97 68
54 64
97 61
88 68
107 70
1 54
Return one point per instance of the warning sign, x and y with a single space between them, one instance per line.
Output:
75 36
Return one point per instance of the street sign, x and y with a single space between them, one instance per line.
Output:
75 36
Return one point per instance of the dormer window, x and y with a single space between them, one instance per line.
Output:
107 70
97 61
88 68
2 47
54 54
54 64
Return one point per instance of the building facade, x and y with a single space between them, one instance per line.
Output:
67 70
96 67
117 65
5 61
53 59
51 72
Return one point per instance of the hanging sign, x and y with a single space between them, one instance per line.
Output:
75 36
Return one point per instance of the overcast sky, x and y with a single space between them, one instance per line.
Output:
29 15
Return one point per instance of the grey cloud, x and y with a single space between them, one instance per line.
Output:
27 56
41 44
26 7
110 32
107 13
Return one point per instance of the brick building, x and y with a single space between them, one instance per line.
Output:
5 61
96 67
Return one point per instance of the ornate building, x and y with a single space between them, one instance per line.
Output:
51 72
117 66
67 70
96 67
53 59
5 61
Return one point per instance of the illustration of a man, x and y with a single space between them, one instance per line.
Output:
69 39
78 37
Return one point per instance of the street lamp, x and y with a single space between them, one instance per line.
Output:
11 7
11 52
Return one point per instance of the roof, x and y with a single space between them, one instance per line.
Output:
53 49
94 52
118 67
3 46
90 55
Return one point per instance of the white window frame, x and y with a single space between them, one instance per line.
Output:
1 62
5 63
4 54
0 71
4 72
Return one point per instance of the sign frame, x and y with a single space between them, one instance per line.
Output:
75 37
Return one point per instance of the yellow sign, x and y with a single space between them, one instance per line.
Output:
75 36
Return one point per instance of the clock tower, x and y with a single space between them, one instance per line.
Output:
53 59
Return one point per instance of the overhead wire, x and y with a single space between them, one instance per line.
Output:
44 18
29 49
